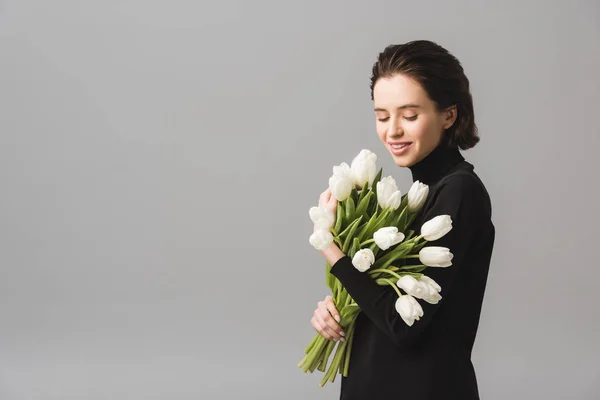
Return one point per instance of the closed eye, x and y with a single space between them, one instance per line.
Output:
411 118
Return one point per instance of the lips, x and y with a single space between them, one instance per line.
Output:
399 148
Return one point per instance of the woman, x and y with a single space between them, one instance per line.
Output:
424 113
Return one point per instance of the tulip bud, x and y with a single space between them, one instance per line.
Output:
387 237
411 286
364 168
431 289
434 256
388 195
436 227
321 239
409 309
417 195
341 182
363 259
322 217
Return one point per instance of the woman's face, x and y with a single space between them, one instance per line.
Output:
408 123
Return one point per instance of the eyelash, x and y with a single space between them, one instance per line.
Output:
413 118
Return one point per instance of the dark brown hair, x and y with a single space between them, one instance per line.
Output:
442 77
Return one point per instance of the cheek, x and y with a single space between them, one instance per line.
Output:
422 130
381 132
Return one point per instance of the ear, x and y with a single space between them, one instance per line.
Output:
449 116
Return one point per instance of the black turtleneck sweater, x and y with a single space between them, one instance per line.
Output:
432 359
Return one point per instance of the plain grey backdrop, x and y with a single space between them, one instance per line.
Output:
158 161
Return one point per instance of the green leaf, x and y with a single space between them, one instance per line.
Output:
377 178
350 209
339 217
361 209
348 314
354 195
363 192
366 226
413 269
355 247
386 260
347 230
380 222
350 236
417 247
402 220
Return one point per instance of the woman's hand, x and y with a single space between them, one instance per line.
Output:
324 320
333 253
328 201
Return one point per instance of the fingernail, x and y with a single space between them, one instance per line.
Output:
337 318
343 333
343 339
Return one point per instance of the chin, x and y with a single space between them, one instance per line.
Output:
403 161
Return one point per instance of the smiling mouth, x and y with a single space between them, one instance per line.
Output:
399 149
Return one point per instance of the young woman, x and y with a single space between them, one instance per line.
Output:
424 113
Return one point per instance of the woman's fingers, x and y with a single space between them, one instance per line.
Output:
325 329
331 308
319 328
327 321
328 200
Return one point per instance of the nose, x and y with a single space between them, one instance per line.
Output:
394 129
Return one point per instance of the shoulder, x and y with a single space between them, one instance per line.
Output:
463 181
464 188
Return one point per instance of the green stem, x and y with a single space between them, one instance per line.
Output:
412 266
323 364
414 274
366 242
311 344
392 284
348 353
313 355
386 271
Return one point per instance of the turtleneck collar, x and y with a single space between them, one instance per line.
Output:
436 164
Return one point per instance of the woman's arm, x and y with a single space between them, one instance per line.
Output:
461 197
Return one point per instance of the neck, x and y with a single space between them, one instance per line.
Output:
436 164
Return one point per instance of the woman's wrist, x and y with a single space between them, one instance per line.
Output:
332 254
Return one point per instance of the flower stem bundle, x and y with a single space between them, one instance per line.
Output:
371 225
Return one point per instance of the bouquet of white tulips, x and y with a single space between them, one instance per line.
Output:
371 227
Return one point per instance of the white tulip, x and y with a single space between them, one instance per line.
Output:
417 195
387 237
411 286
322 217
434 256
409 309
363 259
388 195
431 289
436 227
321 239
364 168
341 182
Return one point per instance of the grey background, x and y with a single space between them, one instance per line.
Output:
158 160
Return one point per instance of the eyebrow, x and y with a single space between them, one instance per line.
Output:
402 107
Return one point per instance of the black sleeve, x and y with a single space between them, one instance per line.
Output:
463 198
